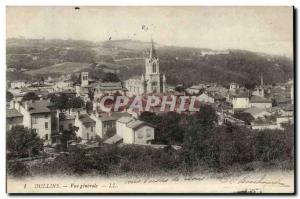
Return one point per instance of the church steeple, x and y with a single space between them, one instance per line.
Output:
152 50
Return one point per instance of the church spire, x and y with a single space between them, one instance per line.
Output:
152 50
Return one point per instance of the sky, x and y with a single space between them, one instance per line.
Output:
261 29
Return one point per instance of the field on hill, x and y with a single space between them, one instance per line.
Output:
62 68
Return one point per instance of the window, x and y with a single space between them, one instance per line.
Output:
46 115
46 137
87 136
140 136
92 128
154 68
46 125
61 127
34 120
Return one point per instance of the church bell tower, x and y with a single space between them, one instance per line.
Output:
155 82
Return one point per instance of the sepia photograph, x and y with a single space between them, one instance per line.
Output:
150 100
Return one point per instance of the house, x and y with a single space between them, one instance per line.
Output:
110 88
86 127
262 126
282 100
288 110
36 116
134 131
257 112
13 118
240 101
233 87
260 102
106 122
205 98
195 89
64 85
258 91
217 90
17 84
282 120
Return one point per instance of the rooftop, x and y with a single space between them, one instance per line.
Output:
258 99
125 120
10 113
39 106
254 110
109 86
113 116
85 119
241 95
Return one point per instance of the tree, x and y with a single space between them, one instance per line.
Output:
63 102
91 94
201 129
179 88
89 106
9 96
76 102
246 117
148 116
110 77
30 96
68 135
22 142
60 102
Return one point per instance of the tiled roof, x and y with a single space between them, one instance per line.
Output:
39 106
125 120
114 116
242 95
10 113
135 124
85 119
258 99
254 110
288 107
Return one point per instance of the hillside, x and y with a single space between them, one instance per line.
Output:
184 65
62 68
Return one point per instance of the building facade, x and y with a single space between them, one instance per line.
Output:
152 81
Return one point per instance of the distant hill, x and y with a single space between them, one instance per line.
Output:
182 65
126 44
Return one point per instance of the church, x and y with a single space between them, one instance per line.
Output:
150 82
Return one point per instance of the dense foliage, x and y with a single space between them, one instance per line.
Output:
205 145
22 142
30 96
64 102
